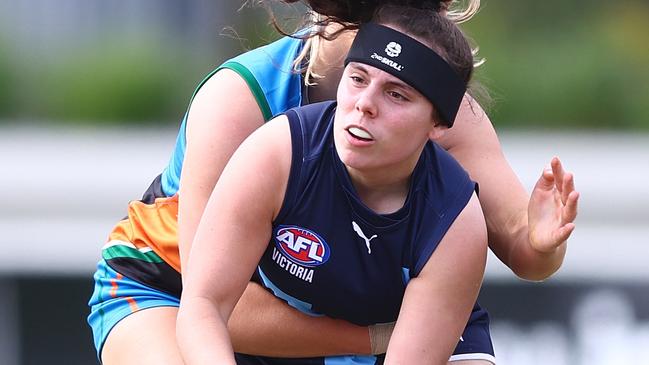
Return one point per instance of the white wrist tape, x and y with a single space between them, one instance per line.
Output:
380 337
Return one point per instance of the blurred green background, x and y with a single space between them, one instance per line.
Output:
550 64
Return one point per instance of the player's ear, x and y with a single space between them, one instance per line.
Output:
437 131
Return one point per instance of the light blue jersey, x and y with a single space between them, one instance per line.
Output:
270 75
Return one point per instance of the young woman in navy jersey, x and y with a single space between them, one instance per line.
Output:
349 210
143 259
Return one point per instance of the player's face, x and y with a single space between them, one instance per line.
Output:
381 122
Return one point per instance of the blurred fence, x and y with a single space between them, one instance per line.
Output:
66 187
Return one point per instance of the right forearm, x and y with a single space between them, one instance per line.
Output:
190 209
505 206
527 262
529 239
201 333
264 325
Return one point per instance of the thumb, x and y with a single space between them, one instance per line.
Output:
546 180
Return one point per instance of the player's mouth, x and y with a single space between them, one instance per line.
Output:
360 134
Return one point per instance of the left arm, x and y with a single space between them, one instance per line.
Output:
528 235
437 303
231 237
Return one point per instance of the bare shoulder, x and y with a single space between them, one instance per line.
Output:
469 227
225 99
270 145
275 132
225 82
266 157
464 246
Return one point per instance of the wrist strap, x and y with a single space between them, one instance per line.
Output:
380 337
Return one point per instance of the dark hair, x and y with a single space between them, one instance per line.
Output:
351 14
358 12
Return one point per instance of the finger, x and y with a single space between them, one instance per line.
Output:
568 186
564 233
569 212
546 180
557 170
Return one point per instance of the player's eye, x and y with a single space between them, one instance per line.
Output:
397 95
356 79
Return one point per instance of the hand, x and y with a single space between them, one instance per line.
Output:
552 208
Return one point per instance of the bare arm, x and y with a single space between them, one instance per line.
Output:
229 242
217 124
532 245
279 327
437 304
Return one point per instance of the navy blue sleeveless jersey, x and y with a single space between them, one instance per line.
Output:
331 255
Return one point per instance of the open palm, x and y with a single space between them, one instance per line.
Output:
552 208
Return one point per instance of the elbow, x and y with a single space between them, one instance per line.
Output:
536 272
533 276
533 265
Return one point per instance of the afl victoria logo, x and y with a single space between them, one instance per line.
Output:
301 245
393 49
